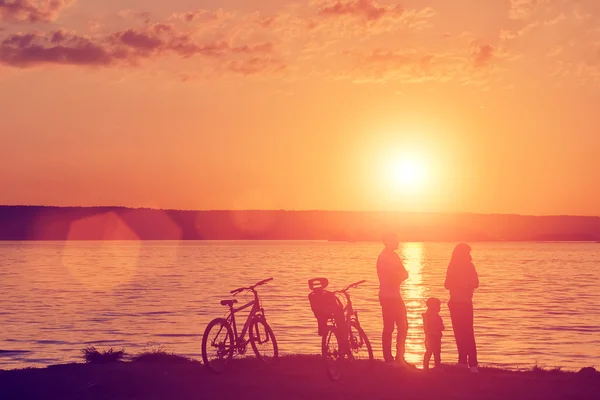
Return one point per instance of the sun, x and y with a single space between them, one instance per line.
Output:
407 173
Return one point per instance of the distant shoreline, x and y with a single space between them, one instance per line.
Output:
218 210
288 241
27 223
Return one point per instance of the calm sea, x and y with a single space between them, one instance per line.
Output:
538 302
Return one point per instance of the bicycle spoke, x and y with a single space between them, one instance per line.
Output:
218 347
359 343
263 341
333 357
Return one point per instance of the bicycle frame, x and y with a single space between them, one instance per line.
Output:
350 317
348 307
256 312
349 312
350 339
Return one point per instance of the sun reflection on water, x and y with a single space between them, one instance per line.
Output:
413 293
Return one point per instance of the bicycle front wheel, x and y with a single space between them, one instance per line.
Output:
263 342
359 342
330 349
217 345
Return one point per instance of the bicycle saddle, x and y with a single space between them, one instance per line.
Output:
228 302
318 283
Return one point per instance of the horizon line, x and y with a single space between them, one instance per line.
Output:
305 210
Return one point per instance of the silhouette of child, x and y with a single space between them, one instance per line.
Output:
433 326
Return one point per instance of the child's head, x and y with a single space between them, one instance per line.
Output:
434 305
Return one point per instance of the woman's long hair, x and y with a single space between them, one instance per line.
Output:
461 254
461 270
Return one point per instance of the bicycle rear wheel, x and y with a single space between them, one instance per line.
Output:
263 342
330 349
217 345
360 347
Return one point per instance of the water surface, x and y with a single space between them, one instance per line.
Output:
538 302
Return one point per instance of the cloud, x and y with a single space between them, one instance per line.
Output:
582 73
478 65
128 47
362 18
24 50
256 65
127 14
267 22
514 34
32 10
522 9
559 18
554 51
525 9
142 41
481 54
365 9
203 16
407 66
266 47
306 38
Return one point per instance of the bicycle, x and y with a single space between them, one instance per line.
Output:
259 334
358 343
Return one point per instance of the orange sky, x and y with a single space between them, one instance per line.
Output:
301 104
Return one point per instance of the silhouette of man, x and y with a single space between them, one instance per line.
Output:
391 274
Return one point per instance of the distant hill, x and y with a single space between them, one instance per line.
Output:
119 223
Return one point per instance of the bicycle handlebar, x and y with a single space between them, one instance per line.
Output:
239 290
355 284
264 281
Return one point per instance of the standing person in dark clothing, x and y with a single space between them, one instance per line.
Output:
391 274
461 281
433 326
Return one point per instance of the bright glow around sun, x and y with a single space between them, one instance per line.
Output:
407 173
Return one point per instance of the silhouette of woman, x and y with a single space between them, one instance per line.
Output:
461 281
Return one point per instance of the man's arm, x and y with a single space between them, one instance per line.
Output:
384 272
402 273
387 269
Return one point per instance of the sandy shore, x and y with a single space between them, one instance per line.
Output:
296 377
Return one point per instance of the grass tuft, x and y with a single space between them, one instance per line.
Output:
159 355
539 369
91 355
